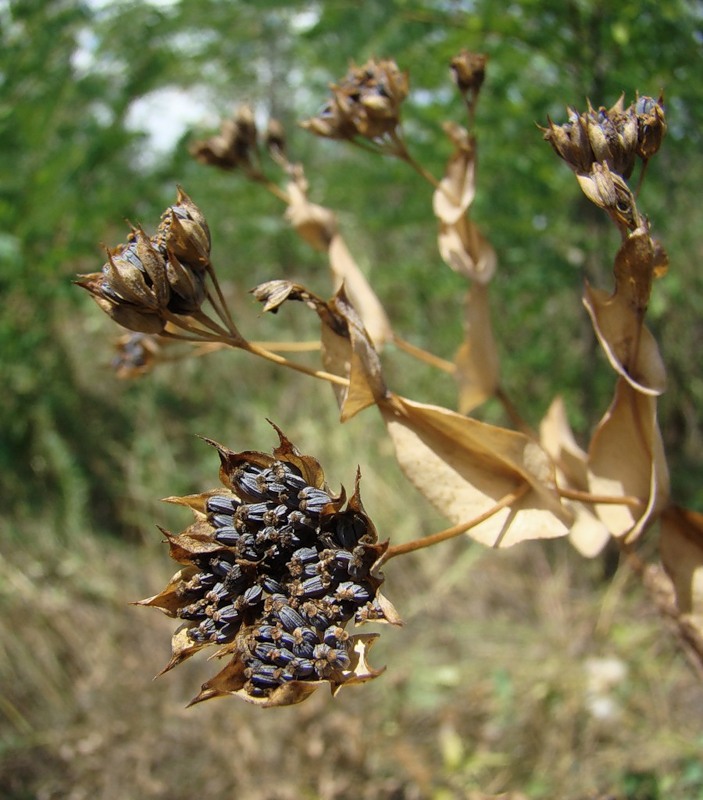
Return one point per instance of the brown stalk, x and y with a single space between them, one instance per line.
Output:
424 355
601 499
455 530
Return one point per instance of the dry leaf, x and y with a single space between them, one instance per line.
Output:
681 549
588 534
626 458
476 361
618 318
316 224
464 467
457 188
363 298
352 355
464 248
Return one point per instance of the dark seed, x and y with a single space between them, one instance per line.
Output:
312 500
290 618
227 535
347 590
221 520
305 555
313 587
226 632
253 595
218 504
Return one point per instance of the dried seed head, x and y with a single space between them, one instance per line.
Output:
276 602
612 137
469 71
145 278
136 355
235 146
365 103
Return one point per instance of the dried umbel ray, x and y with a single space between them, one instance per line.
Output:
275 566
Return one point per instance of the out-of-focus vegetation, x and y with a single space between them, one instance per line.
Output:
487 687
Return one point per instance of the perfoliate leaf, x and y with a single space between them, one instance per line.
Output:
626 458
362 297
681 549
465 467
464 248
618 318
315 224
457 188
588 534
347 350
476 360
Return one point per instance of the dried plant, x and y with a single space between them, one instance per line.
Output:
275 566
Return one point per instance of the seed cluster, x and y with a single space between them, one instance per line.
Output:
147 279
280 569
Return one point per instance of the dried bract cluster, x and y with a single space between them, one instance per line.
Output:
235 145
365 103
614 137
275 568
469 71
146 279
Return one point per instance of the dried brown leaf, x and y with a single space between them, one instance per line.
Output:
315 224
681 549
464 248
347 350
363 298
588 534
465 467
618 318
457 189
171 598
626 458
477 366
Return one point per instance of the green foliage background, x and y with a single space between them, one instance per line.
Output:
83 457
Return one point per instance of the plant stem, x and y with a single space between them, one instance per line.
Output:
257 350
455 530
222 309
424 355
602 499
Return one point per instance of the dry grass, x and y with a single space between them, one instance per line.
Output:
486 690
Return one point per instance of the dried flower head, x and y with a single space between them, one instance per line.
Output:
469 71
275 567
612 137
235 146
147 278
136 354
366 103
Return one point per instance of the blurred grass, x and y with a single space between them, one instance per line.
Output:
487 685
